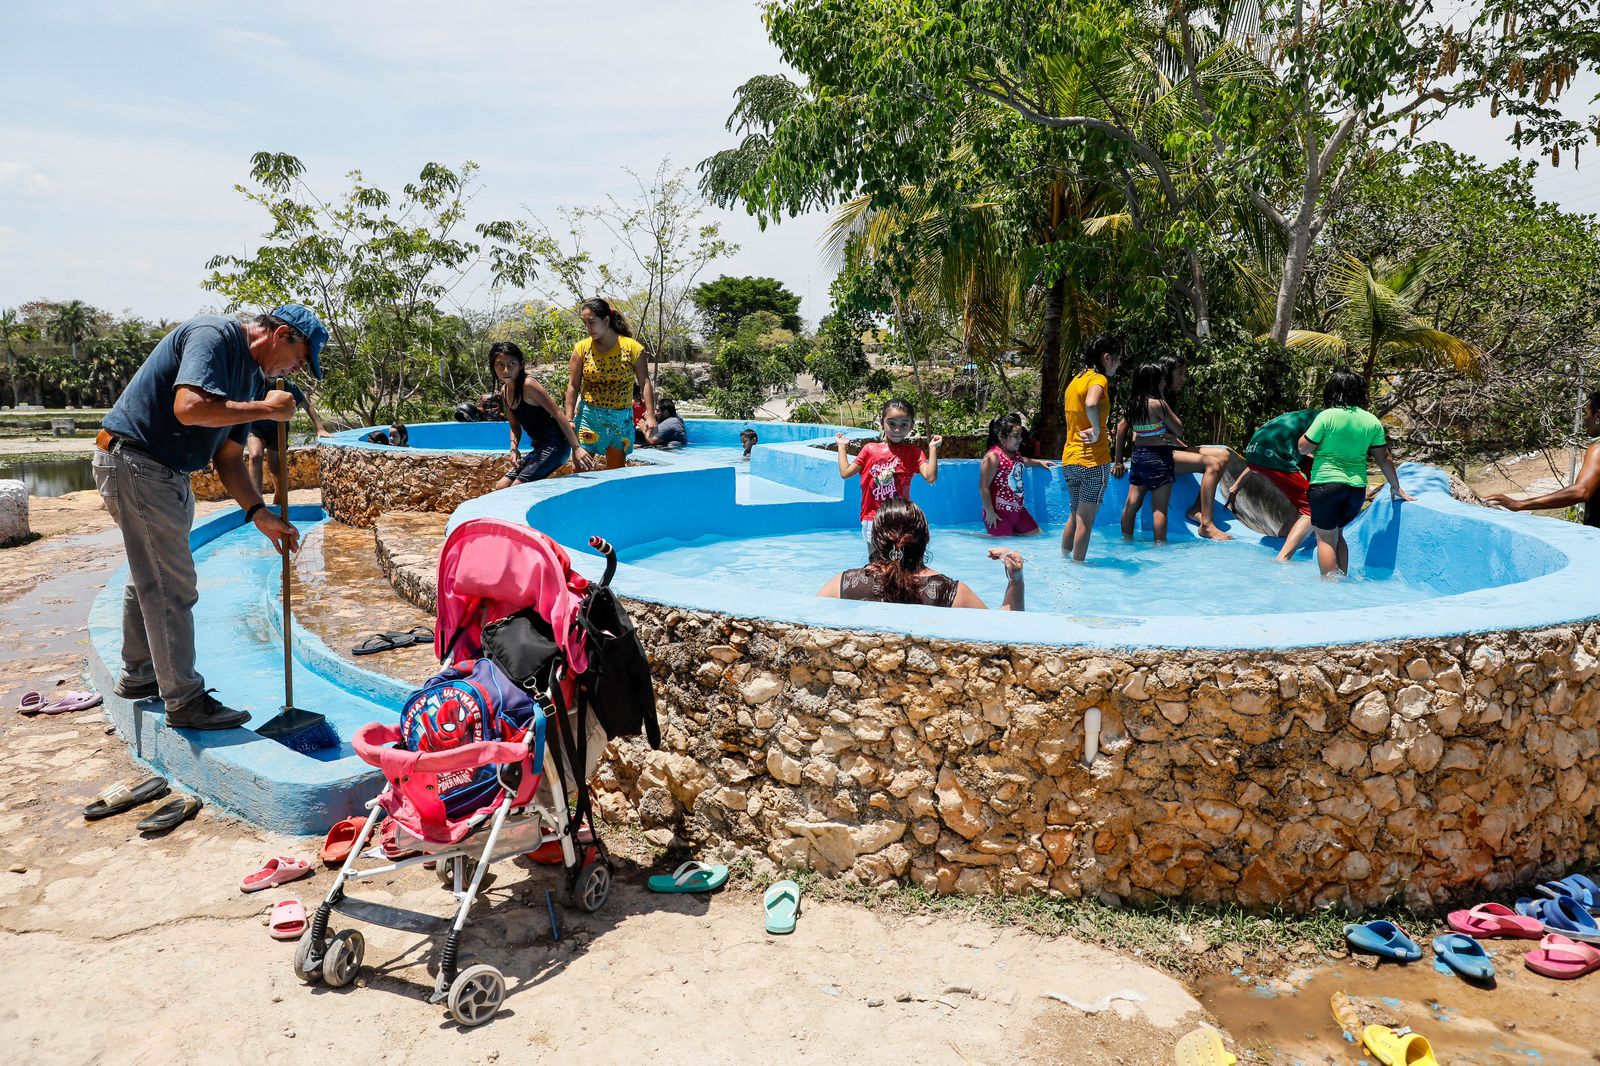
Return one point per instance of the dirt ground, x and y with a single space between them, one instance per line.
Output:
127 949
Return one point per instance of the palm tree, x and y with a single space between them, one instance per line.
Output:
1375 319
71 323
11 326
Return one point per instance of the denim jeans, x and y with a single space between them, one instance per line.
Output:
153 505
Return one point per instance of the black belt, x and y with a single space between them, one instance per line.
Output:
123 444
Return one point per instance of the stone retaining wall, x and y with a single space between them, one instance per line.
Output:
1430 770
304 473
359 484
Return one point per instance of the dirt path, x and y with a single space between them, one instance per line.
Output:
122 949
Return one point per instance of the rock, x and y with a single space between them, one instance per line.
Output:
1371 713
760 689
783 767
1412 702
1219 815
14 527
1388 755
1425 752
960 811
1344 755
1418 669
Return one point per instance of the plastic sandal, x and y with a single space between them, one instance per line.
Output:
1494 919
73 700
1383 938
1576 887
171 815
1562 958
1564 916
782 904
278 871
121 797
31 703
690 877
1464 955
341 838
1204 1047
288 920
1392 1049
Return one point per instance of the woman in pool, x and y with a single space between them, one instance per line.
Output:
1005 512
1211 464
1156 434
1086 459
896 571
887 467
600 381
532 410
1339 441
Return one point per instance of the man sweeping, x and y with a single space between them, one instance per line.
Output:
189 405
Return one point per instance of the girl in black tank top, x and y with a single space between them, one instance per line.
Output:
551 440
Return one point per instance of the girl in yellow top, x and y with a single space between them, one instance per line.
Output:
600 382
1086 459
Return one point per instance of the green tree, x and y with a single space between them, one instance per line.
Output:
12 327
723 302
72 323
382 271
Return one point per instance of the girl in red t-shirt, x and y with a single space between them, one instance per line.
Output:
886 467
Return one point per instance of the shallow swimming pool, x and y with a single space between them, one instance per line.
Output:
1120 580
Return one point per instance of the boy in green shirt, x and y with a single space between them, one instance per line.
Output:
1339 442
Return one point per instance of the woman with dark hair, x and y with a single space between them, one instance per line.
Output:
1086 458
1339 441
1005 510
896 571
1211 464
1157 435
600 382
532 410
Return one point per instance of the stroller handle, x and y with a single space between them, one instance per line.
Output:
603 546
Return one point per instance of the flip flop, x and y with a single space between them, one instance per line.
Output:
1383 938
782 904
1392 1049
690 877
31 703
1464 955
1575 887
1494 919
1204 1047
288 920
73 700
1564 916
341 838
278 871
390 641
1562 958
171 815
122 797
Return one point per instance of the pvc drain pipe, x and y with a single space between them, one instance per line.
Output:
1091 736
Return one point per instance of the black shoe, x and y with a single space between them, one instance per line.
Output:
136 693
205 713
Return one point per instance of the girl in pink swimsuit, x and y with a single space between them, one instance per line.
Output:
1005 512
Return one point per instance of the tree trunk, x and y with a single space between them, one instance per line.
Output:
1050 424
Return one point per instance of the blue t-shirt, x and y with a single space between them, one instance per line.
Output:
209 352
671 432
267 428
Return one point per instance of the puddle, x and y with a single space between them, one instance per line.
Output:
1523 1019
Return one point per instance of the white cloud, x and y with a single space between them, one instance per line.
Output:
20 178
234 36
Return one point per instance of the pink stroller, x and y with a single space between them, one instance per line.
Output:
514 774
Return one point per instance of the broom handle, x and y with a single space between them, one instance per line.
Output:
283 512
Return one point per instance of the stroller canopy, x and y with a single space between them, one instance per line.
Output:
489 569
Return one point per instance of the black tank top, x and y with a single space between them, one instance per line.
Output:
933 590
1591 510
540 425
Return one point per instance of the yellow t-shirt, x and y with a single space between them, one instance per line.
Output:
608 376
1077 453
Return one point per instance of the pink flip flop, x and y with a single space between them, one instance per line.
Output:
278 871
31 703
1495 919
288 920
1562 958
73 700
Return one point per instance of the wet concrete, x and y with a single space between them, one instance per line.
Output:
1523 1018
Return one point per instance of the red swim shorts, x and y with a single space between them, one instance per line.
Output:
1295 486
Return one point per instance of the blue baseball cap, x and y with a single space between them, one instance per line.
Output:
309 326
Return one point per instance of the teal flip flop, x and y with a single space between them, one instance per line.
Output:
691 877
782 903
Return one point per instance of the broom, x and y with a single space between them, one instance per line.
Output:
294 728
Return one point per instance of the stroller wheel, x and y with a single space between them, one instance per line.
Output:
476 995
589 891
303 970
445 871
343 960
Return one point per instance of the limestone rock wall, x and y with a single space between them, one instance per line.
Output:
304 473
1429 770
359 484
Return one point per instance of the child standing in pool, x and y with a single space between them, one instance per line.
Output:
1156 432
1005 513
886 467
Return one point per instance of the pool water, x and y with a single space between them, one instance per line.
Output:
1120 579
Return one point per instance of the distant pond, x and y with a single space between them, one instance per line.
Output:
49 477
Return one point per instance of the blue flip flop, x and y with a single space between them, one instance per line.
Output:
782 904
1464 955
1562 915
1575 887
1383 938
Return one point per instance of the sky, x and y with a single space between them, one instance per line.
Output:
125 126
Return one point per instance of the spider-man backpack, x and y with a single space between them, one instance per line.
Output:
463 704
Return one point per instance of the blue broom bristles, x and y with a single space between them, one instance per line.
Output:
301 731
